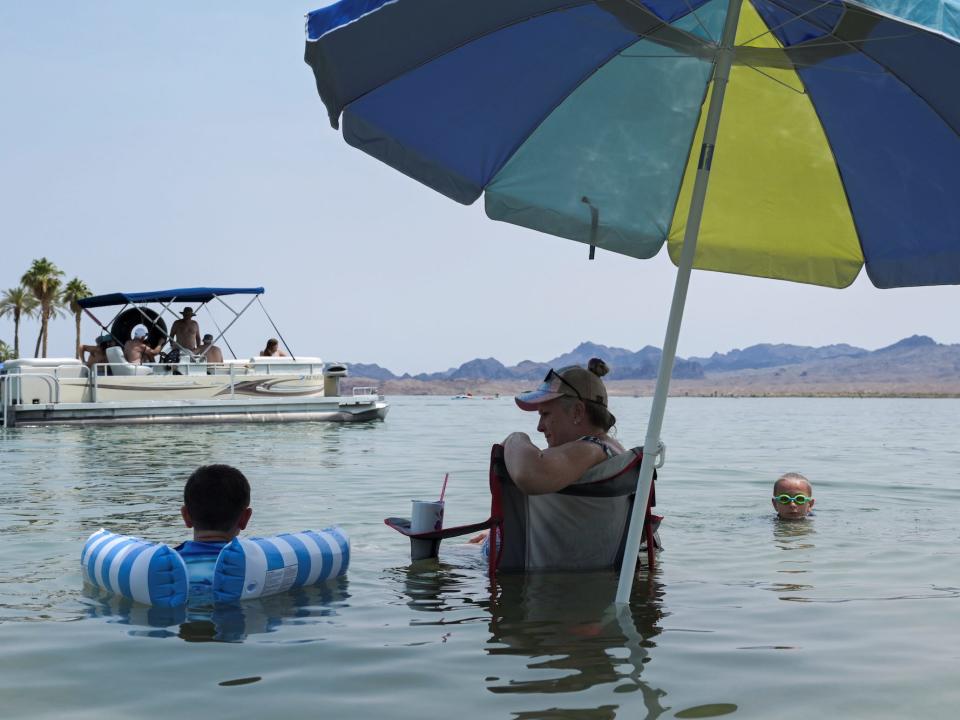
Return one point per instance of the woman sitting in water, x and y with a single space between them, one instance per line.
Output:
575 422
272 349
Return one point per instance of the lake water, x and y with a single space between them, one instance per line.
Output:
853 613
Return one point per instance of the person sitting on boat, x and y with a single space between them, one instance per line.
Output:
272 349
216 506
185 332
136 349
575 423
210 352
792 497
96 353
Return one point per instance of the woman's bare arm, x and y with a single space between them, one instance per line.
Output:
537 471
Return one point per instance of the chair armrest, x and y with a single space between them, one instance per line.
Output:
402 526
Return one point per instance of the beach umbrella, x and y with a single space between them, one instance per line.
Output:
790 139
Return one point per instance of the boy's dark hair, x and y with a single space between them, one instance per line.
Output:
216 496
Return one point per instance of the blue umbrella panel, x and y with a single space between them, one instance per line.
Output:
838 147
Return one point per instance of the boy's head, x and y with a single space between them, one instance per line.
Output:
216 501
792 496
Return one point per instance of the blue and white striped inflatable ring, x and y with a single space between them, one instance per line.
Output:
155 574
254 567
147 572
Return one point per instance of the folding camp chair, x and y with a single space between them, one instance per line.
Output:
582 527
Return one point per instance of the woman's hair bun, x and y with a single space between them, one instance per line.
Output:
598 367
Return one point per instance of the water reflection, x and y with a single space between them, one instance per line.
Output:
231 623
794 534
27 506
436 587
168 456
131 479
603 712
564 622
796 539
561 623
707 711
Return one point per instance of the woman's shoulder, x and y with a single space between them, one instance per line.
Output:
609 446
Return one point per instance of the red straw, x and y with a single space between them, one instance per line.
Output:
444 488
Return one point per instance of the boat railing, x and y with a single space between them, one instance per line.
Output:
231 369
52 382
364 391
287 367
73 371
102 370
234 367
11 384
181 368
84 371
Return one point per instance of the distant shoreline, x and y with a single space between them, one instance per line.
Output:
914 367
708 387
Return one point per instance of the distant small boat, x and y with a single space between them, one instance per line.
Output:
463 396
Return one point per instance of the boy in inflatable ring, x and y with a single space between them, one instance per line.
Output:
216 504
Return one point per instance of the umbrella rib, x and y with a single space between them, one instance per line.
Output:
850 43
464 42
837 70
770 30
852 46
839 41
779 82
812 46
693 40
699 22
558 103
694 48
701 51
829 33
662 57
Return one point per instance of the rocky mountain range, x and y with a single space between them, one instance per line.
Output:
624 365
914 365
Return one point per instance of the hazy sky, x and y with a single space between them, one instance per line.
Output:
155 145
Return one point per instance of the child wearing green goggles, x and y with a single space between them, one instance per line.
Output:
792 496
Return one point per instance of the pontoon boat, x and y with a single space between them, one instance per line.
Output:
183 387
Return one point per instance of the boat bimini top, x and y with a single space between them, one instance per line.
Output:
194 294
165 298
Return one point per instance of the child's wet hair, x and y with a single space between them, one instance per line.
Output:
216 496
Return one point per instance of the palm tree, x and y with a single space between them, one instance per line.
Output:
43 280
5 352
75 291
20 303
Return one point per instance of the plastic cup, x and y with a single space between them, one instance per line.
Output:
425 516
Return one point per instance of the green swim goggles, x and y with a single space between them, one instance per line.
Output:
785 499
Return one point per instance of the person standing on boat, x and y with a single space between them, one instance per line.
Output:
209 351
136 349
185 332
272 349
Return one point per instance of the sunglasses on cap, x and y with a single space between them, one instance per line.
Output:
785 499
552 386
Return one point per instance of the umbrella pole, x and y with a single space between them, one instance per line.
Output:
651 445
